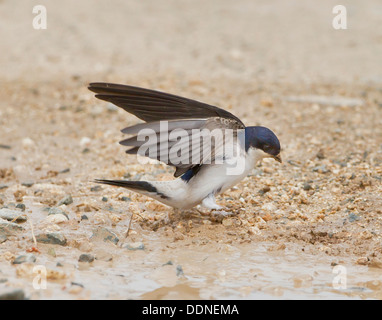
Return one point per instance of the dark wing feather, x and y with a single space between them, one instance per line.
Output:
154 106
150 105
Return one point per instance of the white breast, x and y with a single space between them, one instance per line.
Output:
218 178
213 178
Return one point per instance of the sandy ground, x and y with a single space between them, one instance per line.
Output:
295 228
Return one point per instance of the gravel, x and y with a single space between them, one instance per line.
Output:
327 116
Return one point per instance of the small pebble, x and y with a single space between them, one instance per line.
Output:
55 210
12 215
24 258
86 257
134 246
320 155
353 217
179 271
306 186
96 188
27 143
56 218
227 222
321 169
264 190
77 284
9 228
52 252
27 184
21 206
104 234
52 238
67 200
85 142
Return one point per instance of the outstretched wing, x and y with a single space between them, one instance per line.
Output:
180 132
150 105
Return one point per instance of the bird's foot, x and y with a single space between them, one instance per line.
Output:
216 207
221 212
209 203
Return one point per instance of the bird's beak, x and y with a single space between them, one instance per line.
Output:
278 158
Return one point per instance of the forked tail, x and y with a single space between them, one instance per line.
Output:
142 187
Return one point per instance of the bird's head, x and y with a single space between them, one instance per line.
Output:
264 140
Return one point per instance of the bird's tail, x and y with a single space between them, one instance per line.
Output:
142 187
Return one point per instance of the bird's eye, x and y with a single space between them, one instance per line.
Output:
266 147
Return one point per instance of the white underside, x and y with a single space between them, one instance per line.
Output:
211 180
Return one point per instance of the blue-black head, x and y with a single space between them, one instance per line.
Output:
264 139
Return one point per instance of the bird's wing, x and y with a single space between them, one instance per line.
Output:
150 105
185 144
180 132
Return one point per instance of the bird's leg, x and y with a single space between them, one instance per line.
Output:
209 203
216 210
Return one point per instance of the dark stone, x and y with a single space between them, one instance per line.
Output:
179 271
96 188
27 184
24 258
264 190
20 206
77 284
85 257
67 200
306 186
320 154
52 238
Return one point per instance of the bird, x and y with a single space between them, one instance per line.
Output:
199 176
